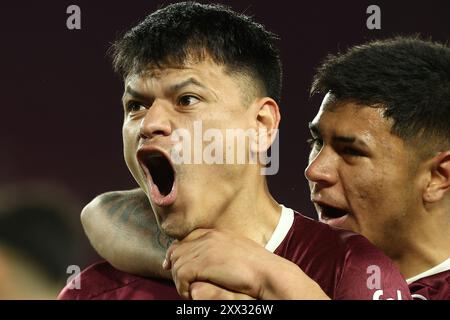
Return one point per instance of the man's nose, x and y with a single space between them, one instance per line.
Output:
156 122
322 169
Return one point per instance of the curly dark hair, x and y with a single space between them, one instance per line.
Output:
407 76
171 35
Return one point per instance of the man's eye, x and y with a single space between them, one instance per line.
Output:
315 143
134 106
188 100
352 152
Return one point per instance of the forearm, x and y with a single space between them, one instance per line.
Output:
289 284
123 229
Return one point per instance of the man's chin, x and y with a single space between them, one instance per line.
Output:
175 229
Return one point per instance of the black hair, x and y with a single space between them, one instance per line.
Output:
407 76
174 33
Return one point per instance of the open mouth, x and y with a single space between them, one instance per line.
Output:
161 172
329 213
160 175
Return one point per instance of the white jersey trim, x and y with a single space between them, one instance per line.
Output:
444 266
282 229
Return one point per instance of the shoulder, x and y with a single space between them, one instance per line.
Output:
341 261
433 287
103 281
316 236
94 281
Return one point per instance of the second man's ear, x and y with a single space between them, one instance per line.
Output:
439 183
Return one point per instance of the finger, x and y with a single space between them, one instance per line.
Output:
183 275
167 263
198 261
184 249
188 265
208 291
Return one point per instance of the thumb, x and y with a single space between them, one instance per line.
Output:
167 263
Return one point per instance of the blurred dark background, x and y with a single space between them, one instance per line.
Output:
61 113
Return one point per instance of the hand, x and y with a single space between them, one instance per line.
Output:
218 257
237 264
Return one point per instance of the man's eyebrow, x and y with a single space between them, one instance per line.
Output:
171 89
349 139
344 139
314 127
135 94
191 81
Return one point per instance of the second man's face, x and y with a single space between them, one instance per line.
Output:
361 175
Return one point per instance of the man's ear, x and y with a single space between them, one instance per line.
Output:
267 120
439 181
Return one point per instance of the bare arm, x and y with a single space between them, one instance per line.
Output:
123 230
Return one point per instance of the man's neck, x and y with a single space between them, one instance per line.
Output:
253 213
425 246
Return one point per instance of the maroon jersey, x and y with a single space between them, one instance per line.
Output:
344 264
433 284
101 281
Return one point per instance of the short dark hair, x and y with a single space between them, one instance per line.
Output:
176 32
407 76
